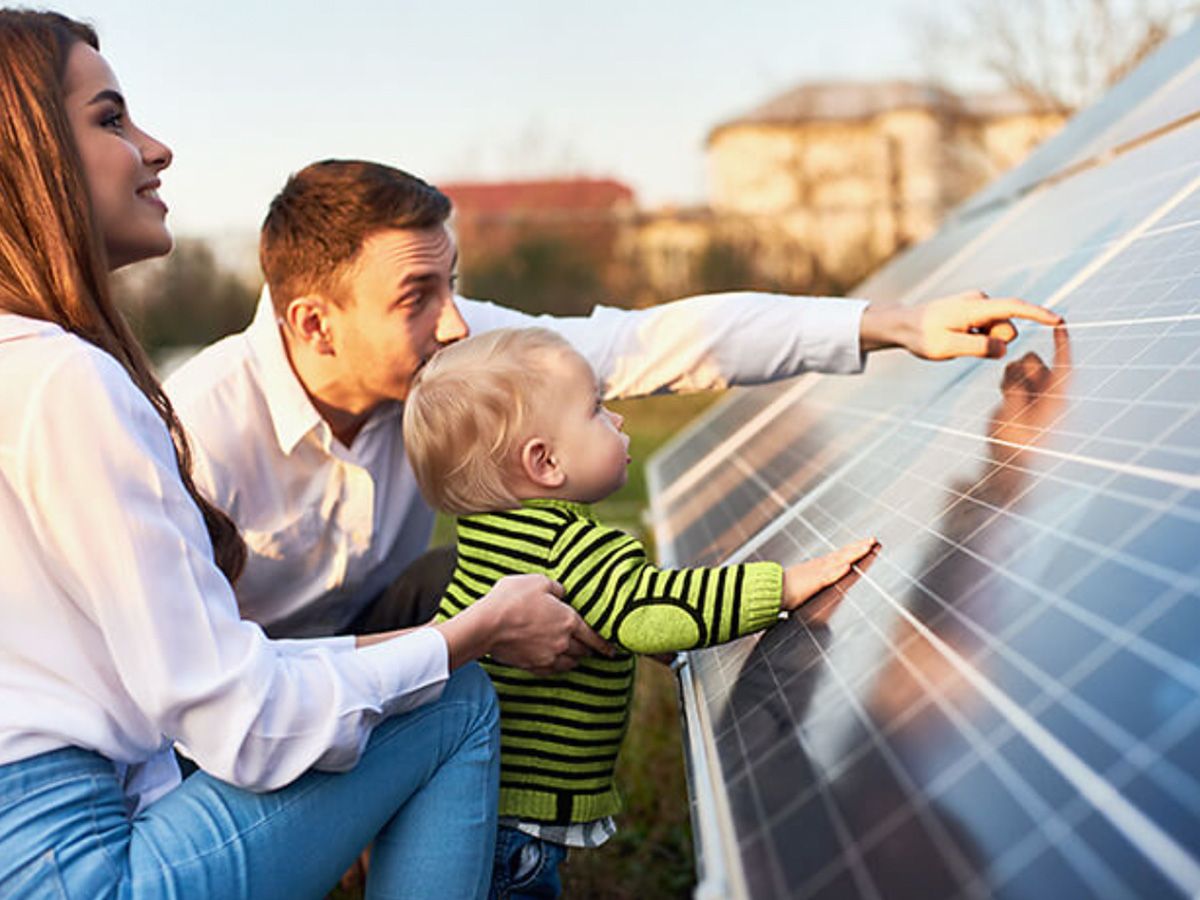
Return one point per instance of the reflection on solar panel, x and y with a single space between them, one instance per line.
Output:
1005 701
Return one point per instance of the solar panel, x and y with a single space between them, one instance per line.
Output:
1004 701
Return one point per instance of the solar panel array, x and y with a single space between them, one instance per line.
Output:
1005 699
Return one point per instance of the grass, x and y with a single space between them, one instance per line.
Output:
650 858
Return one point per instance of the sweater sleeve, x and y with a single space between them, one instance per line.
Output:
645 609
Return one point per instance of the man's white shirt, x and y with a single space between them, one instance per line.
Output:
328 526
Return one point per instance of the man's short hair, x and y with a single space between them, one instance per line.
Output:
317 224
470 409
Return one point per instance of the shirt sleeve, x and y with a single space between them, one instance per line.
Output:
701 343
124 539
644 609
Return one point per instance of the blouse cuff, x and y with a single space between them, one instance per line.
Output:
410 670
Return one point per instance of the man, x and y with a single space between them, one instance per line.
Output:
296 421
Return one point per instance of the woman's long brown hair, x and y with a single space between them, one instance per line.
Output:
53 265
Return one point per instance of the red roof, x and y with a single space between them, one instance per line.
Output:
565 195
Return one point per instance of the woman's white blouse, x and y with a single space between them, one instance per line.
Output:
119 633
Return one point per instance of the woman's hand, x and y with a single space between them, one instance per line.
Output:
967 324
522 622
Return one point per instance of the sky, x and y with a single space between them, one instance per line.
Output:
246 92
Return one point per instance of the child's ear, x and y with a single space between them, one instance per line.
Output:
540 465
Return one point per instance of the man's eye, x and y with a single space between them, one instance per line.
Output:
454 281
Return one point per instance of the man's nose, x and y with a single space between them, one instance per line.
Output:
451 326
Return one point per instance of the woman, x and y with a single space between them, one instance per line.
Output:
121 634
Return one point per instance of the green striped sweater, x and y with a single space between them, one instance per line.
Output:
560 735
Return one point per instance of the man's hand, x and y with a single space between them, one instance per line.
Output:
807 579
522 622
967 324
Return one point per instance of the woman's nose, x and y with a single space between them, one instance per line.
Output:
155 153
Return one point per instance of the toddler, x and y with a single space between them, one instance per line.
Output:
508 432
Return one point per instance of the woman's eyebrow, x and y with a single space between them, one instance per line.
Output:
108 95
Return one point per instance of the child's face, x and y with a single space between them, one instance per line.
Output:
586 439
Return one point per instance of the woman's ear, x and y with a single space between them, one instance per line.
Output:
540 465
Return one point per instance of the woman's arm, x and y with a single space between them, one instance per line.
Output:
98 478
522 621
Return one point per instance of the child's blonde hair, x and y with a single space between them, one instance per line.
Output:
468 411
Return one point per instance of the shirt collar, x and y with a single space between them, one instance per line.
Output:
292 412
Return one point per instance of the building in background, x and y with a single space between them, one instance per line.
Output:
548 245
816 187
808 193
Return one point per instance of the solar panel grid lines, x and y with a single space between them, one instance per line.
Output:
744 432
827 379
1007 700
1030 800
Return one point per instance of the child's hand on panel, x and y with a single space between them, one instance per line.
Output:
807 579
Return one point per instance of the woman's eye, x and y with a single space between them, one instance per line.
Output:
113 121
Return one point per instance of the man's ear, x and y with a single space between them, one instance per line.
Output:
540 465
307 318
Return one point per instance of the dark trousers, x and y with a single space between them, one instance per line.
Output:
413 598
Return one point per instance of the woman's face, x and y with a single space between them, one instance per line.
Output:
120 161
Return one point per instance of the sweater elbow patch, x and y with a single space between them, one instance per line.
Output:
657 627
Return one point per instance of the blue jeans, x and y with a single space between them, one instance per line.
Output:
526 867
425 791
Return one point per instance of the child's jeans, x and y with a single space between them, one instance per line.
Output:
526 867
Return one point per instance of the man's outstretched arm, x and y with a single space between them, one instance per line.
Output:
719 340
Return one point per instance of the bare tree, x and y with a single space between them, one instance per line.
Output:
1057 54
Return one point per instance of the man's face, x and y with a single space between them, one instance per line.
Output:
400 311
